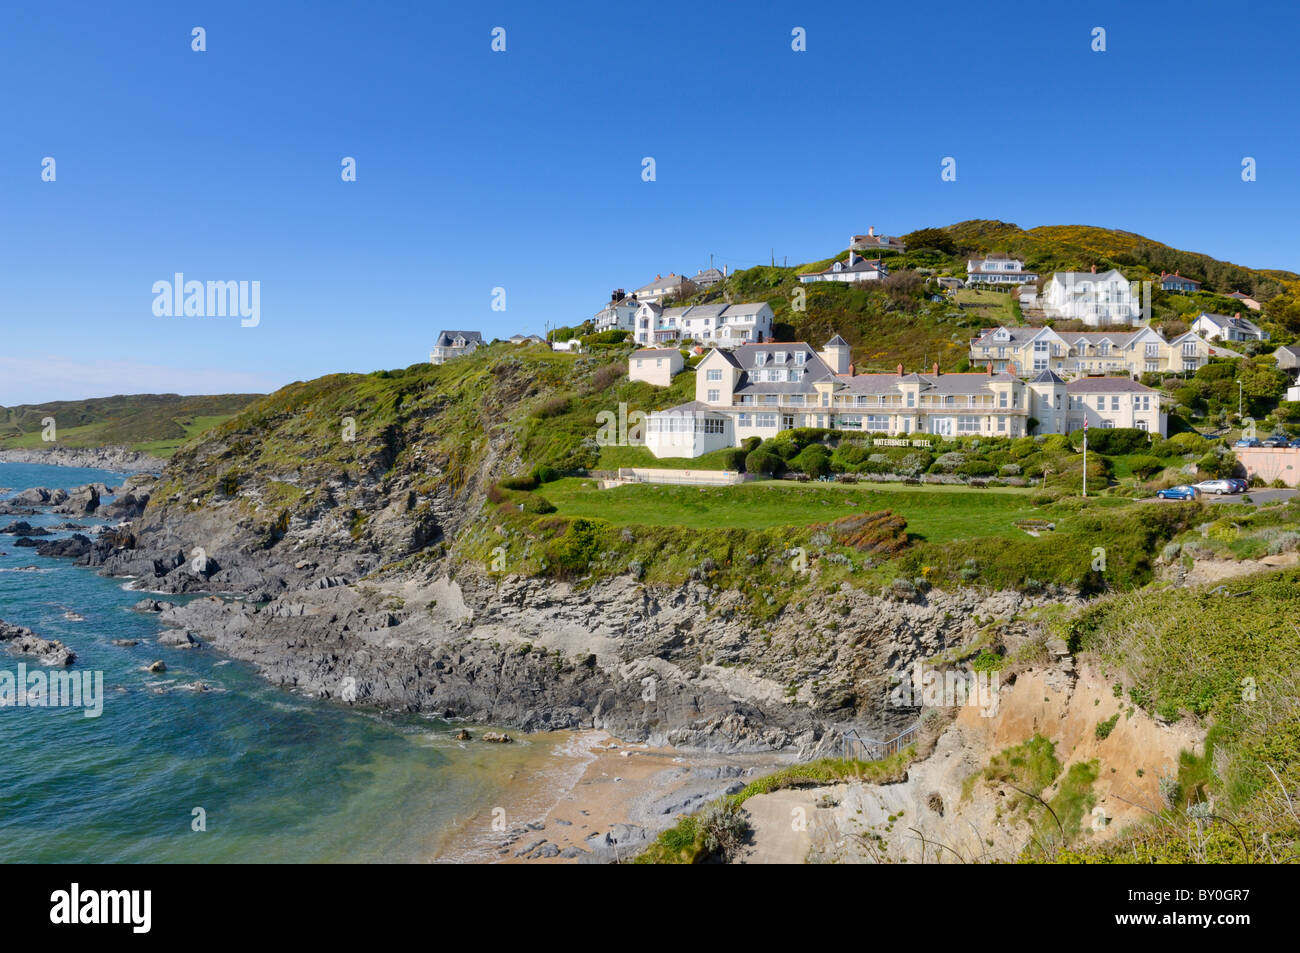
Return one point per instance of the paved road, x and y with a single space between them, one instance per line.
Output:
1257 497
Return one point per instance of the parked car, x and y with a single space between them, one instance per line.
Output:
1276 440
1181 492
1217 487
1294 443
1239 485
1247 442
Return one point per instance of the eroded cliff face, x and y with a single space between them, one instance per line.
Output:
677 665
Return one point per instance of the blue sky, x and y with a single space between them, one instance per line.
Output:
522 169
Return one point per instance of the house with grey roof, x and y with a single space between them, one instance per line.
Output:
1288 357
1221 327
998 269
717 325
854 270
871 242
760 390
1177 283
450 344
673 286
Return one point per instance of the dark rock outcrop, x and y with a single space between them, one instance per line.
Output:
23 641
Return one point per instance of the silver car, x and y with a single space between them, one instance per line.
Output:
1217 487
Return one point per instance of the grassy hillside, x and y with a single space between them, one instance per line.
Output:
899 320
153 423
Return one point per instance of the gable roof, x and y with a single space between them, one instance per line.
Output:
446 338
837 341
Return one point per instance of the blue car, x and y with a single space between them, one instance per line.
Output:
1181 492
1247 442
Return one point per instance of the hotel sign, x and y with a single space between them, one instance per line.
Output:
890 442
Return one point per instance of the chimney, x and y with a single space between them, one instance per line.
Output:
724 270
871 231
900 370
851 370
936 368
1177 274
1011 368
1094 269
989 367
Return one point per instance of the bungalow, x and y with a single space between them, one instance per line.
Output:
452 344
655 365
572 346
872 242
1178 283
526 339
1220 327
998 269
707 278
854 269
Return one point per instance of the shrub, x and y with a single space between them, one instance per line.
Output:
977 468
734 459
1104 728
814 460
1145 466
522 481
724 827
1113 441
544 473
764 462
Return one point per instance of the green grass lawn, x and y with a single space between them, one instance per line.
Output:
935 513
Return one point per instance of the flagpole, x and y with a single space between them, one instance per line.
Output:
1085 452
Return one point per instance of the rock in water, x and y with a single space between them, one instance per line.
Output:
23 641
497 737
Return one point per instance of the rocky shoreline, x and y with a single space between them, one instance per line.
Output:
117 459
321 611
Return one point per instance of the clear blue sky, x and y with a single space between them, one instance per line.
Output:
522 169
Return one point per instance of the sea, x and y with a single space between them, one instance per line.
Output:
243 771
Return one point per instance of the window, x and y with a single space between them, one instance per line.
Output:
780 357
850 421
1040 347
1140 424
715 374
878 422
1002 399
1153 350
659 362
800 357
911 398
713 425
760 358
968 425
1002 425
765 420
714 396
1114 402
742 420
768 398
795 399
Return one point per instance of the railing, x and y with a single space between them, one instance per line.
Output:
855 747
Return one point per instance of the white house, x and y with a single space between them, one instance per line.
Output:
722 325
655 365
763 389
572 346
1098 300
1220 327
452 344
854 269
619 313
998 269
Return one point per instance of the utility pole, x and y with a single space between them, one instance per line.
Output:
1238 398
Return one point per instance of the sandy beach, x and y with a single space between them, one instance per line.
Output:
601 802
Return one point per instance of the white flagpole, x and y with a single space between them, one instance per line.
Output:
1085 453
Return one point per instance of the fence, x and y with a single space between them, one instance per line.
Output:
683 477
855 747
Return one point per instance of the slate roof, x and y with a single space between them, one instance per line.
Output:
446 338
1106 385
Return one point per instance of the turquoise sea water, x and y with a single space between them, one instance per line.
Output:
281 778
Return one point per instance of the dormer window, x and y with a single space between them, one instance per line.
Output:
760 358
780 357
800 357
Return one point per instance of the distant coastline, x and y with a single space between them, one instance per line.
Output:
118 459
